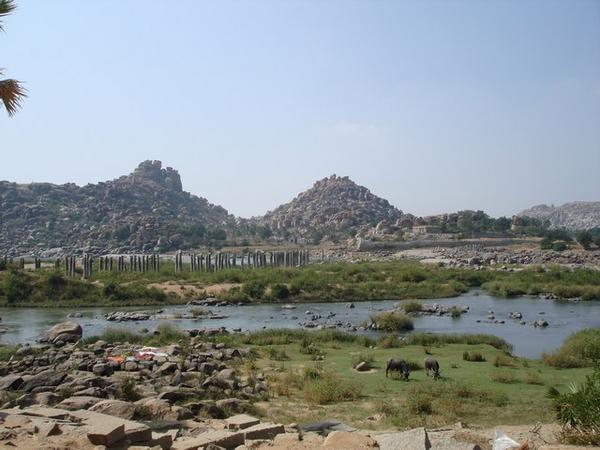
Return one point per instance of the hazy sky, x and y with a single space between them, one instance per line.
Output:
434 105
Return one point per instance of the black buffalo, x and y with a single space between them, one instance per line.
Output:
398 365
431 365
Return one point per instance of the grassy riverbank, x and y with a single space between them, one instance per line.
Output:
311 377
317 282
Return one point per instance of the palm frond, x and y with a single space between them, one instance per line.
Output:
11 95
6 7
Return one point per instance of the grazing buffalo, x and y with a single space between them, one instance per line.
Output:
431 365
398 365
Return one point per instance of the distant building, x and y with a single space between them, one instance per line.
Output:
426 229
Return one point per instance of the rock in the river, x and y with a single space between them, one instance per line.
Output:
64 331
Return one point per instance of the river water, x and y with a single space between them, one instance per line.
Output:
25 324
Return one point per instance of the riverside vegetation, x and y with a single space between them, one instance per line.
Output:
316 282
310 375
307 375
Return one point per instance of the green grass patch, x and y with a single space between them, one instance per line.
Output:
578 350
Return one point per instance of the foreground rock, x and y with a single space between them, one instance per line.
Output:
62 333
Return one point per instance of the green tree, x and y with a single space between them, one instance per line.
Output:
584 238
16 286
11 91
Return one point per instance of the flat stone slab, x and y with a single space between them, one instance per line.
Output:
78 402
134 431
44 411
241 421
415 439
105 432
264 431
349 440
163 440
451 444
222 438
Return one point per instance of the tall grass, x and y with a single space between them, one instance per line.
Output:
331 388
430 339
284 336
580 349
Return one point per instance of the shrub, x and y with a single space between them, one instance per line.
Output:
411 306
473 357
363 357
390 341
17 286
504 376
532 377
277 354
330 388
455 312
420 404
559 246
7 351
128 390
198 312
280 291
392 321
502 360
254 289
578 350
578 411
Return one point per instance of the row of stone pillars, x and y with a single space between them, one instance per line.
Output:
210 262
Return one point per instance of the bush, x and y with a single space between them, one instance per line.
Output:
504 361
277 354
411 306
579 411
280 291
363 357
390 341
330 388
128 390
17 286
420 404
7 351
532 377
198 312
504 376
455 312
578 350
392 321
254 289
559 246
473 357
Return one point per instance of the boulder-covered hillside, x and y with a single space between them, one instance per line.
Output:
573 215
331 206
146 210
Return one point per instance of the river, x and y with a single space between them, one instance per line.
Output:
25 324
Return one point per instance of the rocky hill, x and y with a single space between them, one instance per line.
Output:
333 205
573 215
145 210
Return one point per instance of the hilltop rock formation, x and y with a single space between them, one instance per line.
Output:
146 210
573 215
331 206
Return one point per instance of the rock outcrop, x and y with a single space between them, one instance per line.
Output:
146 210
573 216
333 205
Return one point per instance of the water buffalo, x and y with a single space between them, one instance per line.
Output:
431 365
398 365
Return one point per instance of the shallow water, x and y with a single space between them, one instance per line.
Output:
25 324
